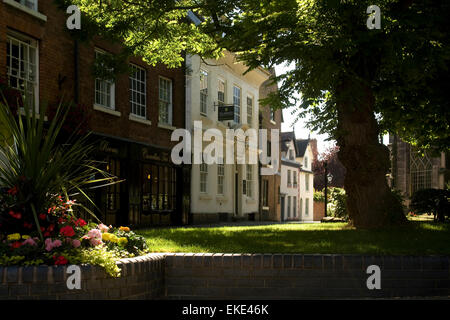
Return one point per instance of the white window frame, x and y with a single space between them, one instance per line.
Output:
237 103
107 84
24 3
250 109
289 182
203 92
168 102
289 206
203 177
219 82
136 94
220 178
294 207
249 184
29 43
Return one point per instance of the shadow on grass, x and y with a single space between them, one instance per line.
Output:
415 238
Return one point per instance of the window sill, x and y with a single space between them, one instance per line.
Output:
221 198
265 208
204 197
133 117
250 201
166 126
107 110
23 8
273 122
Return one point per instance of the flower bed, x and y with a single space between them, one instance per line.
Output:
60 237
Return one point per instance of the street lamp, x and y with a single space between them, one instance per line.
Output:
330 178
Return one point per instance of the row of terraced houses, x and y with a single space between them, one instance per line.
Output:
133 118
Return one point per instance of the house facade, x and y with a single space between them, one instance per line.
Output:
227 191
306 179
290 174
131 117
411 171
270 200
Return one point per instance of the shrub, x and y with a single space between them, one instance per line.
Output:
435 201
338 201
319 196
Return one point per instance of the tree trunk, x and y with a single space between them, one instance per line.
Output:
370 202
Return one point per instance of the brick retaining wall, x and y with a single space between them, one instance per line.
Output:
296 276
236 276
141 278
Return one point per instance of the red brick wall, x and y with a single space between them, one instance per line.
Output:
319 210
56 61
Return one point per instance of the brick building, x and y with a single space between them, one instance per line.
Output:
131 117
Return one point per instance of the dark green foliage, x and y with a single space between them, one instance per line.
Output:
432 201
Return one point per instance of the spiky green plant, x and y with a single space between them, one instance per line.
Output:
33 158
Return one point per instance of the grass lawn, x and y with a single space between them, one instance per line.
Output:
415 238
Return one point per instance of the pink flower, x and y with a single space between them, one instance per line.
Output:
76 243
103 228
95 233
95 241
29 241
48 244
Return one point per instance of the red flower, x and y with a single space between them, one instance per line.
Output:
15 215
16 245
13 191
51 227
80 223
42 216
61 260
67 231
27 225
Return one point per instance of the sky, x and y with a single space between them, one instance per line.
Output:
301 131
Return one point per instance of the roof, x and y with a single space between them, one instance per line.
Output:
301 145
285 137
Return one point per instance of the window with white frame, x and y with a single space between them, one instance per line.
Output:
306 162
249 110
294 174
165 101
306 206
104 88
138 91
291 154
301 206
272 114
203 177
32 4
203 92
220 177
421 171
22 69
237 104
265 199
289 183
249 181
307 182
294 206
289 206
221 92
